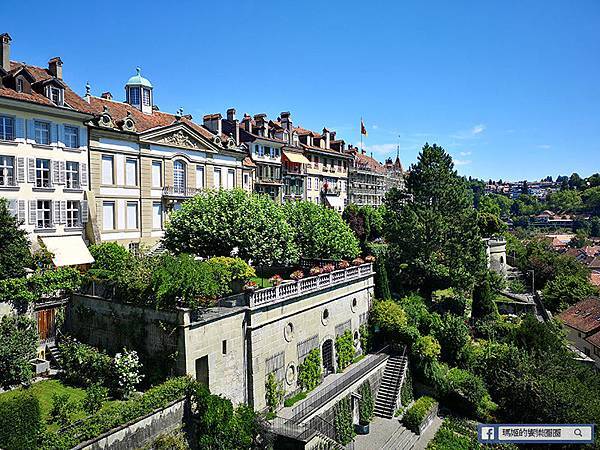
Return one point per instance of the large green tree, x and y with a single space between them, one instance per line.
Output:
217 223
18 345
14 245
566 290
435 237
564 201
591 200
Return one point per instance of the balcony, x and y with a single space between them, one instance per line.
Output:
308 285
179 191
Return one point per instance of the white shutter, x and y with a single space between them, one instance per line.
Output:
20 169
83 176
61 135
31 170
21 213
56 209
53 134
30 131
84 211
32 212
83 138
55 171
63 211
20 129
61 171
12 207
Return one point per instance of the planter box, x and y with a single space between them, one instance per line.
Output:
428 419
361 429
40 366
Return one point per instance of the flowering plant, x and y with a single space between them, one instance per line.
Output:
315 271
126 367
297 275
276 280
357 261
328 268
250 285
370 259
343 264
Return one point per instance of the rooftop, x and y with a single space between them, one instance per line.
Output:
583 316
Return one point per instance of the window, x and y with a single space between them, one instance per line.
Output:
20 85
179 177
72 175
134 95
44 214
7 128
199 177
134 248
156 174
230 179
309 183
260 150
132 215
146 97
56 95
42 132
246 180
157 215
71 136
224 347
108 216
108 170
217 179
42 173
73 214
271 152
130 172
7 171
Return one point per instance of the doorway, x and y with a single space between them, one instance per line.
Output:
327 352
202 370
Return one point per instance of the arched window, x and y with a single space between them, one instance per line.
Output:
179 177
502 260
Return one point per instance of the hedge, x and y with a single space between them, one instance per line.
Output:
413 418
20 422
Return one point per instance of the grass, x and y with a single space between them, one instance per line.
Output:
262 282
358 358
294 399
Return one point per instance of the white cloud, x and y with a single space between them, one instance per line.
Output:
478 129
465 153
375 127
473 133
462 162
544 146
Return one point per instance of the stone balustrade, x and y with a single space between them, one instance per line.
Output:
308 285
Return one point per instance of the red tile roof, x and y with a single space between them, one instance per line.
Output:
248 162
71 99
368 163
594 339
583 316
595 278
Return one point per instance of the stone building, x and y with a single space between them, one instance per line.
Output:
367 179
145 163
394 172
44 155
232 348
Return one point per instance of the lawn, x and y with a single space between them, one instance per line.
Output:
262 282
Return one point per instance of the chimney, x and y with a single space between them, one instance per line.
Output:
236 134
213 123
55 67
261 122
231 114
106 95
247 123
327 136
5 52
286 120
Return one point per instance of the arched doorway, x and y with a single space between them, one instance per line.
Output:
327 354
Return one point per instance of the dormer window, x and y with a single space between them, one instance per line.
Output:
139 92
55 94
20 85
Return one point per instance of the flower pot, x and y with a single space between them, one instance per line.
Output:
361 429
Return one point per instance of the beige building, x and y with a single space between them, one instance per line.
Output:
367 183
582 324
144 163
44 155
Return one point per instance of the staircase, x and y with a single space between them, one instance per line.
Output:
387 395
55 357
402 439
157 250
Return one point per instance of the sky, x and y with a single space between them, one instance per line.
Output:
511 89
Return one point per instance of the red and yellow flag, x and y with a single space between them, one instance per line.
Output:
363 129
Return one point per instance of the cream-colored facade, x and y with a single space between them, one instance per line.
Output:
327 177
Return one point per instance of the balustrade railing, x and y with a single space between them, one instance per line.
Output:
307 285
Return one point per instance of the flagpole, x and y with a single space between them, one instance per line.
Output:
361 127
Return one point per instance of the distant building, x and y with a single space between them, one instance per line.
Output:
582 323
367 179
394 173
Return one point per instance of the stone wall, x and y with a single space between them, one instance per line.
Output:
140 432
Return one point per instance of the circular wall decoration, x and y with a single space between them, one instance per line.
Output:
354 304
325 316
290 374
288 331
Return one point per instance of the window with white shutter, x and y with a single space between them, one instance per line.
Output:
22 211
31 170
55 172
32 212
72 212
7 171
83 176
12 207
84 211
72 175
57 218
20 169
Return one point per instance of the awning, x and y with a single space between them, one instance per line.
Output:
335 201
68 250
296 157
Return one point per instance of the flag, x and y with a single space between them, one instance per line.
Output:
363 129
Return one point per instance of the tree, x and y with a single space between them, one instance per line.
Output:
525 188
453 334
484 305
566 290
591 200
388 316
575 181
319 232
564 201
435 236
219 223
15 255
18 345
489 224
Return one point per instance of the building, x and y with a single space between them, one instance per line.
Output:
144 163
367 179
395 173
582 324
44 155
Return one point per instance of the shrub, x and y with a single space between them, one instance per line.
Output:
62 280
344 349
367 404
389 317
315 271
414 416
358 261
467 394
406 390
169 441
82 364
309 372
14 245
365 338
297 275
126 369
273 392
18 345
95 396
110 258
369 259
426 348
229 270
20 422
344 429
62 409
343 264
327 268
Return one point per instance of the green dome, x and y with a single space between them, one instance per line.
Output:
138 80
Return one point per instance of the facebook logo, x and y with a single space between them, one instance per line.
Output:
487 434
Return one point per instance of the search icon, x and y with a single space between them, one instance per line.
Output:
577 432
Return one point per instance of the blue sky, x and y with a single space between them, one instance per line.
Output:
510 88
